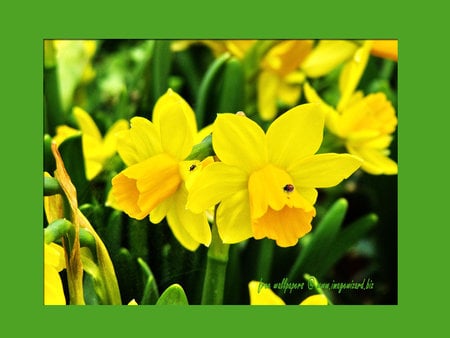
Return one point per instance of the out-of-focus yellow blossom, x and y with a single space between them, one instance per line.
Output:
96 149
74 65
154 182
364 123
266 183
286 66
237 48
262 295
54 262
387 49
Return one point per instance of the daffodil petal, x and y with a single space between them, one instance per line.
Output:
381 142
377 113
53 287
139 143
54 262
266 189
287 55
63 132
268 86
214 183
315 300
239 141
375 162
160 211
312 96
352 72
386 49
263 295
309 194
289 93
110 140
54 255
196 225
86 123
326 56
233 218
125 196
93 168
180 233
141 187
175 120
323 170
284 226
295 134
239 47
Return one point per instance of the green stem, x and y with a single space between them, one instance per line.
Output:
264 263
216 266
51 186
387 69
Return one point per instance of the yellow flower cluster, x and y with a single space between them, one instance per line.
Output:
262 171
263 183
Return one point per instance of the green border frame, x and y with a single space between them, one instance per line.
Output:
420 239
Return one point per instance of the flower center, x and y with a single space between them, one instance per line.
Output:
277 209
273 187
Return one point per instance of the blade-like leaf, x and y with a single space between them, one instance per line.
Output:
346 239
173 295
151 294
321 239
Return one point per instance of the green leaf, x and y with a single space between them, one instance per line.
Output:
186 62
346 239
232 88
313 254
160 67
151 294
206 88
112 235
87 240
173 295
127 275
138 238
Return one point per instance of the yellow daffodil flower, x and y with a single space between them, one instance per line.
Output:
96 149
266 183
265 296
286 66
54 262
154 182
364 123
